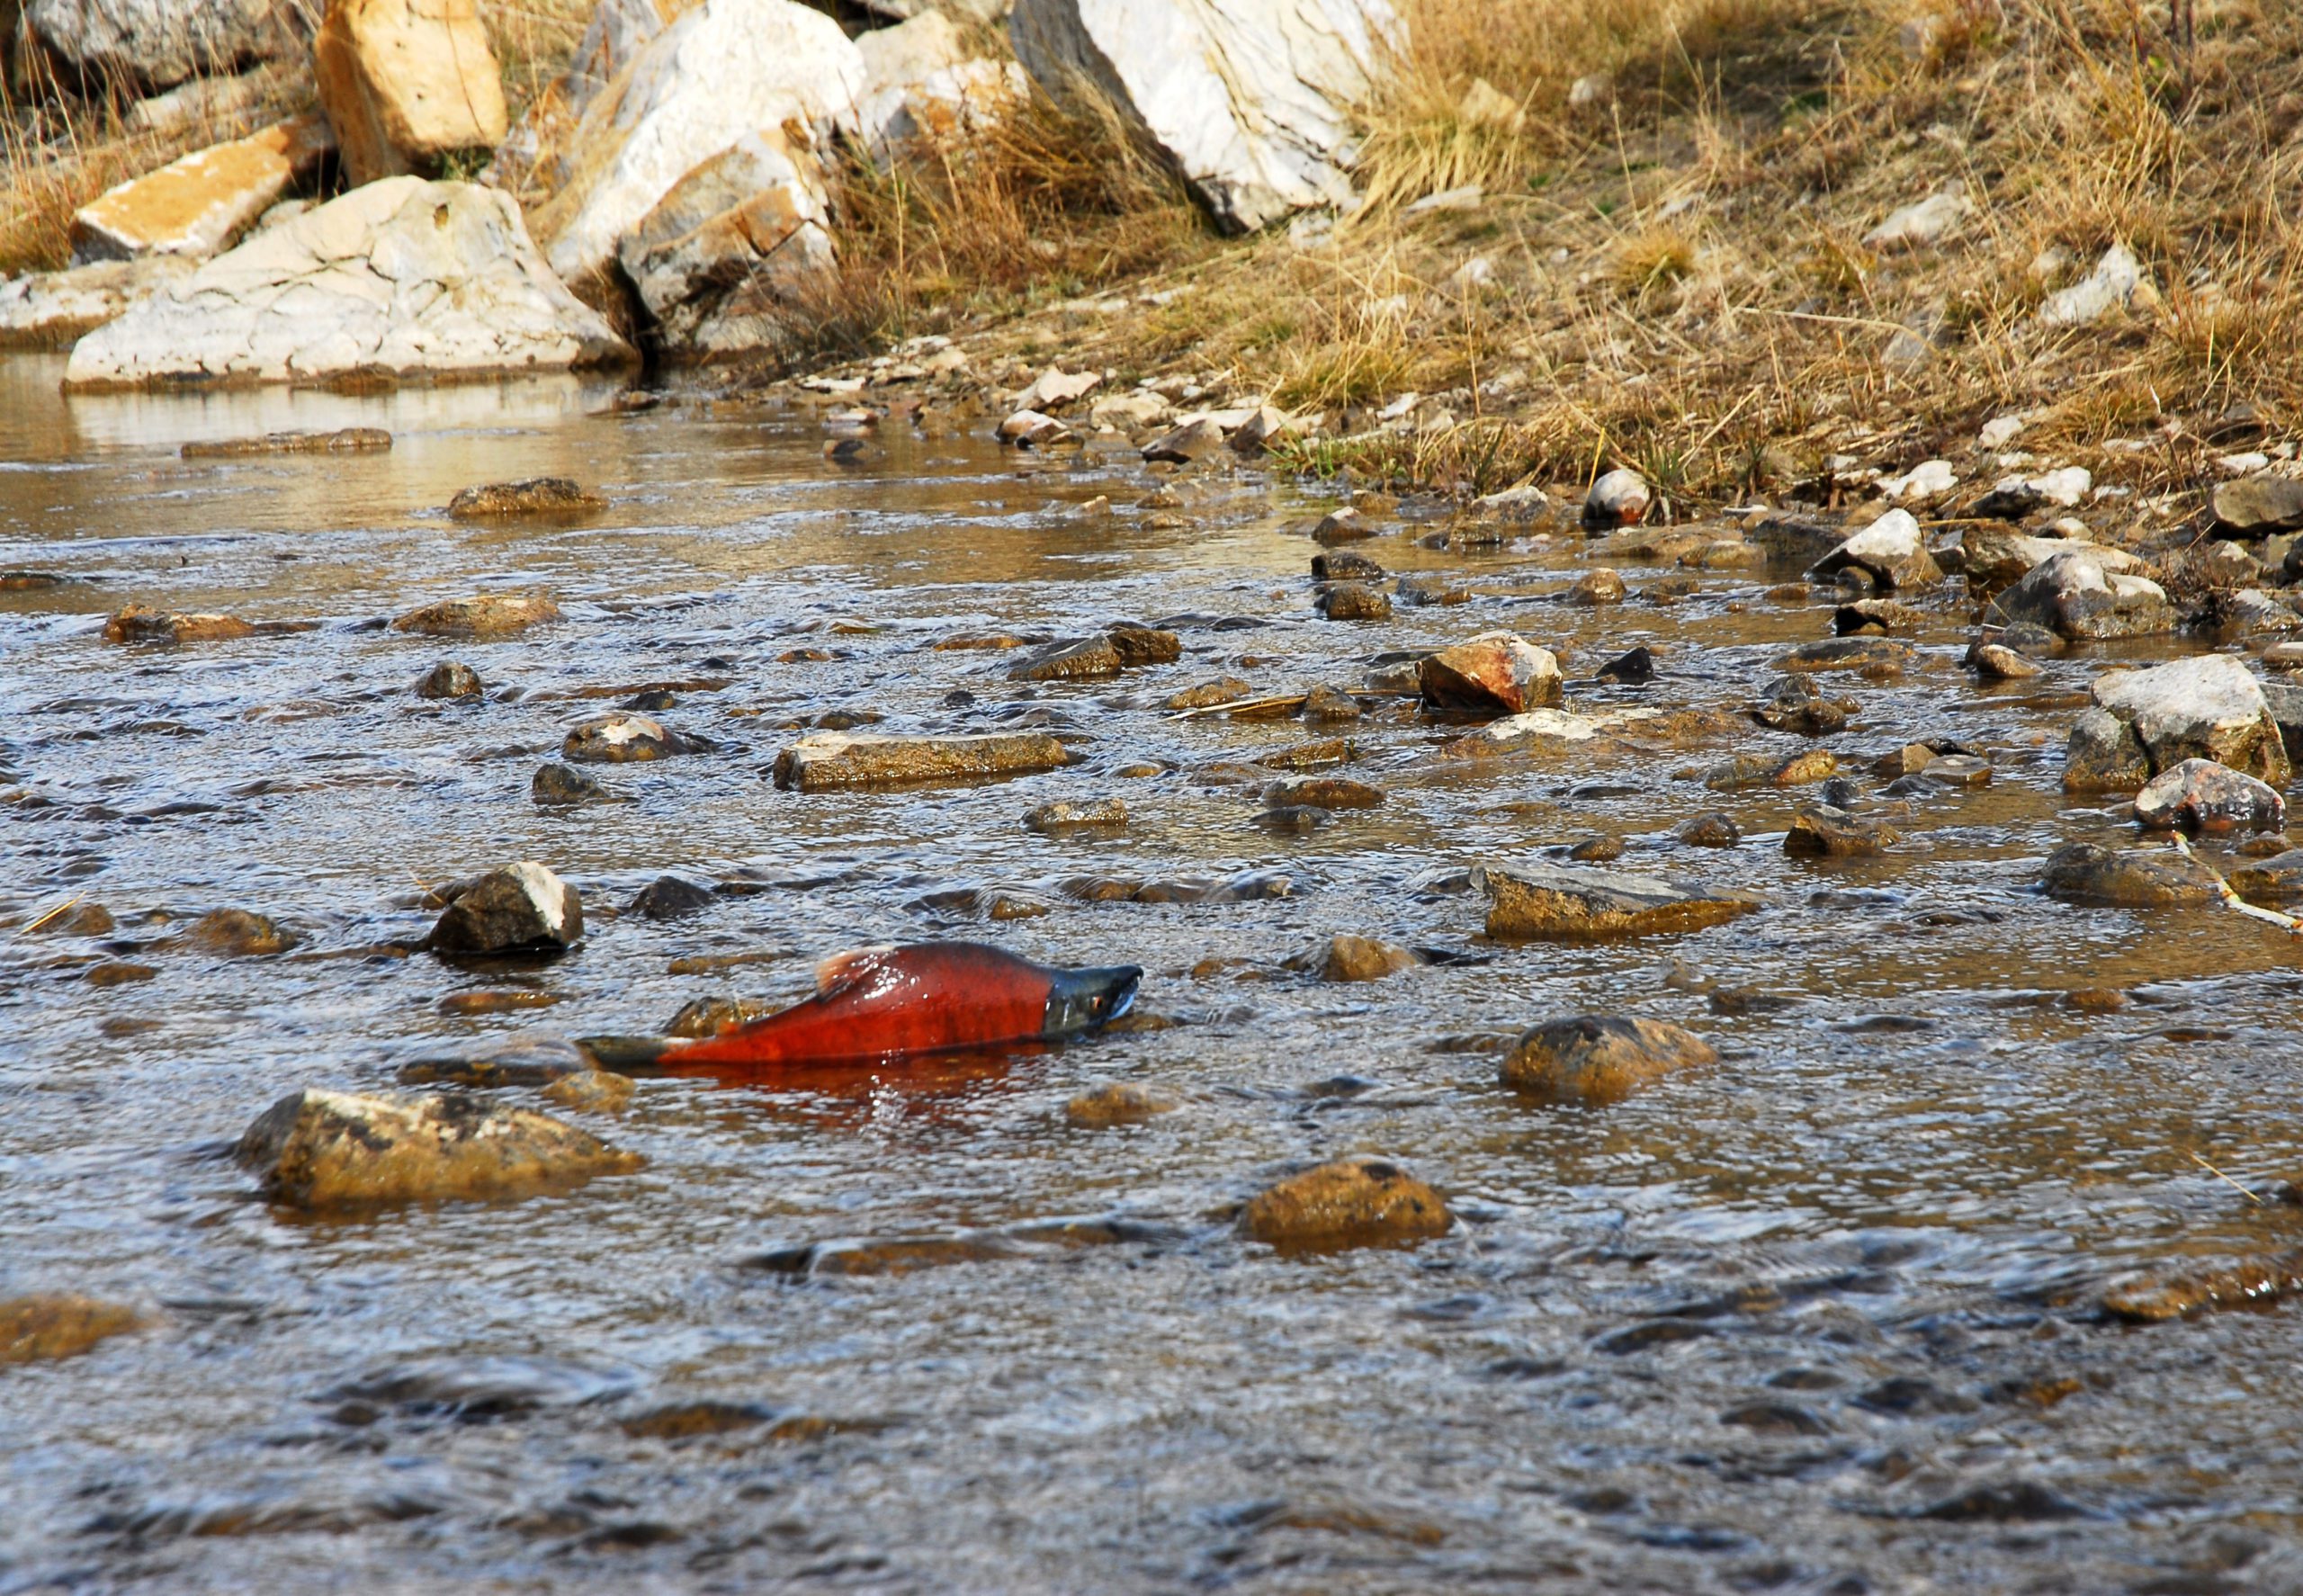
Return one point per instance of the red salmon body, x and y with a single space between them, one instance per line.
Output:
931 997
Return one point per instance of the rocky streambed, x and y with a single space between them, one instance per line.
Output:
1780 1190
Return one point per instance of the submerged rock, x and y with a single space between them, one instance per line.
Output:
1496 673
49 1325
1352 1202
486 614
591 1091
2251 1283
1064 815
2201 795
451 678
1821 831
837 759
2089 872
1601 1058
520 908
1117 1103
1999 663
2276 880
328 1149
670 897
536 496
1355 601
1361 958
624 737
559 786
235 933
1323 792
1087 659
1793 702
1557 903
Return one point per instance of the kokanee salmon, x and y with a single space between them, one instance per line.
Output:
895 1002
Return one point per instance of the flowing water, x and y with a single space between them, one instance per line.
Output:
1817 1318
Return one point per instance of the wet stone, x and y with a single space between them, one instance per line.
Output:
1117 1103
235 933
591 1091
348 440
1604 850
2088 873
1872 656
2199 795
1323 792
670 897
2207 707
322 1149
488 615
1795 702
468 1005
1600 1058
1595 588
1762 770
709 1016
621 737
1326 703
1294 820
1496 673
1138 646
2102 755
1352 1202
536 496
519 908
1310 755
1819 831
834 760
1889 556
1222 690
2275 881
73 920
2086 593
1345 526
1355 601
1881 616
138 624
1064 814
450 679
1088 659
1709 831
2251 1283
1559 903
1344 566
1349 958
561 786
117 973
46 1326
1632 668
1999 663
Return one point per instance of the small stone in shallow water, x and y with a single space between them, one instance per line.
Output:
1352 1202
1819 831
621 737
2089 872
558 785
117 973
1709 831
830 760
235 933
1345 566
316 1149
1355 601
1347 524
1228 689
591 1091
49 1325
487 614
537 496
1496 673
1138 646
1117 1103
450 679
1064 814
670 897
519 908
1558 903
464 1005
1294 820
1631 668
1087 659
1346 958
1595 588
1999 663
1326 704
1600 1058
1323 792
138 624
2200 795
2251 1283
1603 849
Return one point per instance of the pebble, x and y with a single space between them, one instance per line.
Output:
1326 704
1228 689
1345 526
464 1005
1595 588
1603 849
117 973
1599 1059
1999 663
1352 1202
1349 958
488 615
1345 567
135 623
2201 796
1086 659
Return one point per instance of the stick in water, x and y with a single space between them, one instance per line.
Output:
2270 917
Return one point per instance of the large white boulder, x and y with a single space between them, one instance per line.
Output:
402 278
1251 99
920 79
199 203
159 43
56 309
725 70
732 245
533 159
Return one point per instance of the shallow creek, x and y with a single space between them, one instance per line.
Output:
1820 1317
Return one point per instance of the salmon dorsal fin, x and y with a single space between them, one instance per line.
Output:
841 968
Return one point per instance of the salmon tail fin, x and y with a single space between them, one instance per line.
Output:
840 968
626 1056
